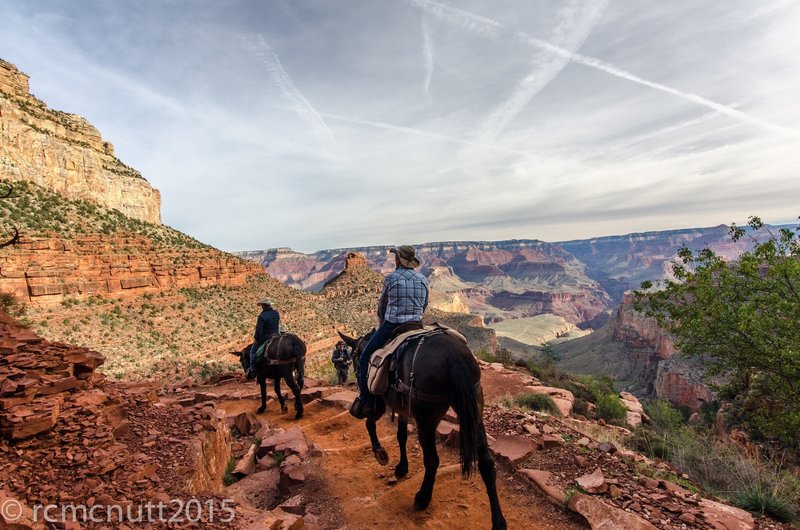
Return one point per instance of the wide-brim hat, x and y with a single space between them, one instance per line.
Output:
265 301
406 255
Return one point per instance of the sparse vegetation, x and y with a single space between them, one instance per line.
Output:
37 211
539 402
751 482
229 478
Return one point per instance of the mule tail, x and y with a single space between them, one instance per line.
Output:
467 406
300 363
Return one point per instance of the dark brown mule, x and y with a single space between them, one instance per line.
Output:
445 374
287 354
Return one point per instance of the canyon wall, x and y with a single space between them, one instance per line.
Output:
64 153
641 356
45 271
506 279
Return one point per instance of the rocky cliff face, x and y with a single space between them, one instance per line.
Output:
621 263
641 356
45 271
65 153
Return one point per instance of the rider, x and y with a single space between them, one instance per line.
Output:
267 326
341 360
403 300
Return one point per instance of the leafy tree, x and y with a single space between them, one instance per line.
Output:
743 318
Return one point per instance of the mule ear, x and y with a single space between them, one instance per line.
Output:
348 340
236 353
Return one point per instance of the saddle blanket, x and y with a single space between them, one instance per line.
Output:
378 372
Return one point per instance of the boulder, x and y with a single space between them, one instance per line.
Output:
541 479
602 516
342 399
594 482
564 399
247 464
724 517
319 392
260 489
511 449
290 441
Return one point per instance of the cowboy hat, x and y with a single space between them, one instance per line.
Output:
406 255
265 301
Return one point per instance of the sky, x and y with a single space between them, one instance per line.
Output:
341 123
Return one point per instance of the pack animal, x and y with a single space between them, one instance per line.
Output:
433 375
285 358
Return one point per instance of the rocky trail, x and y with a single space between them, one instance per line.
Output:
346 487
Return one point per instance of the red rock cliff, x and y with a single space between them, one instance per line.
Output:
45 271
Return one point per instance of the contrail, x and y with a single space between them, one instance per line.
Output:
425 134
575 26
427 53
300 104
492 29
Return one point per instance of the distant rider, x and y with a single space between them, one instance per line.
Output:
403 300
267 326
341 360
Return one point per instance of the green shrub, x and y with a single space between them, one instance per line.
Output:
541 402
610 407
485 356
663 416
765 501
229 478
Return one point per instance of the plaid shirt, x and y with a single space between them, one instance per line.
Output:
404 297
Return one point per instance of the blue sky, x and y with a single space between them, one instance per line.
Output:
339 123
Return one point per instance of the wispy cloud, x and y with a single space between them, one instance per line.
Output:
427 54
299 104
427 134
493 29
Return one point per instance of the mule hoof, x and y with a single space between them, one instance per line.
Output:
298 414
381 456
400 471
421 501
261 409
284 410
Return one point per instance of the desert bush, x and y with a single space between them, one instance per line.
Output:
663 416
540 402
764 501
12 306
610 407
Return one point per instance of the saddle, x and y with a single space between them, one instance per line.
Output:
384 362
263 354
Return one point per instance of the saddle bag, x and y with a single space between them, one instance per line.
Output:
378 372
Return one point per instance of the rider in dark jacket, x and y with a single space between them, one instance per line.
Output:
341 360
267 326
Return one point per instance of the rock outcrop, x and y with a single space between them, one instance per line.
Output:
63 152
67 435
45 271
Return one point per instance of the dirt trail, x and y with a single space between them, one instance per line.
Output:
350 489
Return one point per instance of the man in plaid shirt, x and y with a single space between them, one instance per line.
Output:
403 300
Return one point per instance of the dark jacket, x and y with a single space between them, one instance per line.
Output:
341 356
267 326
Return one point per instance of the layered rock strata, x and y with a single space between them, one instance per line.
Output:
63 152
48 270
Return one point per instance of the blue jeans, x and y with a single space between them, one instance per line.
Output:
379 338
253 349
